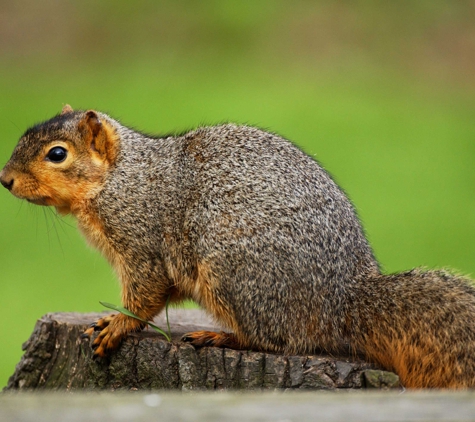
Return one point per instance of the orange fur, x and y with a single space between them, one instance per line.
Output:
203 290
67 109
418 365
212 339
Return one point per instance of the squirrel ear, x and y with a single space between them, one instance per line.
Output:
93 123
66 109
98 136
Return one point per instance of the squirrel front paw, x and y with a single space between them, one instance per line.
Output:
113 329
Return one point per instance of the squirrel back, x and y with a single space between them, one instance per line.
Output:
255 231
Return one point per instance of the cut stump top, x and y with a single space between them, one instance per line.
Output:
57 358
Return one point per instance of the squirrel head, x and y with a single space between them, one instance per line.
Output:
63 161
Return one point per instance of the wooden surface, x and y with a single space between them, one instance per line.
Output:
57 359
230 407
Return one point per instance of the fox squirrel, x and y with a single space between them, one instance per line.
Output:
252 229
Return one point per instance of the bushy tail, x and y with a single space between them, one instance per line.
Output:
419 324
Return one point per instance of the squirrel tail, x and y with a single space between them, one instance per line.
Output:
420 324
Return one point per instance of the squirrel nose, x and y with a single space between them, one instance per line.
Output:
7 183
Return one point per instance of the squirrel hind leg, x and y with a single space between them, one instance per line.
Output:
212 339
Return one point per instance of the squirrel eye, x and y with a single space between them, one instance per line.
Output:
57 154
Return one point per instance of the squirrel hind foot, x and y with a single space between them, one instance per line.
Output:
212 339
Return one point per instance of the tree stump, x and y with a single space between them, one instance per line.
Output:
57 358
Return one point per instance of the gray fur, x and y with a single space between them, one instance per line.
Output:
278 232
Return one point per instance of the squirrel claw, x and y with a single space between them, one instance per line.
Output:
87 334
95 326
96 357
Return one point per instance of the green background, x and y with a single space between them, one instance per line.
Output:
381 93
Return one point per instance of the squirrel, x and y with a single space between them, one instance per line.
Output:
252 229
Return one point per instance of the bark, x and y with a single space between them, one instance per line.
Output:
56 358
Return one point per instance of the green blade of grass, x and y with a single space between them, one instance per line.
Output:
166 314
124 311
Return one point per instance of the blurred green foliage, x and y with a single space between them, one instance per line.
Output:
381 93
